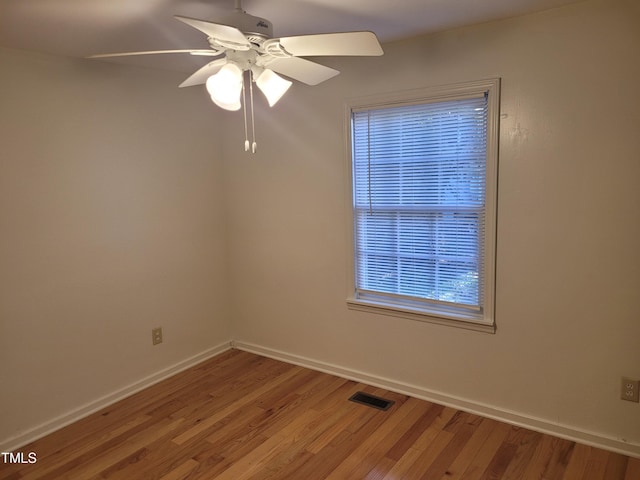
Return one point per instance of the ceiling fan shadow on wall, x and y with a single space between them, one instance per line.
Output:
250 54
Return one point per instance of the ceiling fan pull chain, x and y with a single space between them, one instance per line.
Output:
254 145
244 111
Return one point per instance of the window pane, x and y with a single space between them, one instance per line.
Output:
419 197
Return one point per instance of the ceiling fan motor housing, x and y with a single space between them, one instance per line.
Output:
250 25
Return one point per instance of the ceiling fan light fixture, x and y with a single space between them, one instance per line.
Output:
225 87
272 85
248 47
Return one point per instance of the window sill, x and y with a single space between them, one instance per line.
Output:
381 308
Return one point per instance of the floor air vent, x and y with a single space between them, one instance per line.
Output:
371 401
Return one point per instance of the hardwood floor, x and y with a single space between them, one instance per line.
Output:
242 416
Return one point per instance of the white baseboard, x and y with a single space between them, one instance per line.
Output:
14 443
510 417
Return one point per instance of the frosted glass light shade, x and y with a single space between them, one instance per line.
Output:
272 85
225 87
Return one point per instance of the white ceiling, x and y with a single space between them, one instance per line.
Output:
77 28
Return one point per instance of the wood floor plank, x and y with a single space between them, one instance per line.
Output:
364 458
596 465
241 416
403 464
381 469
462 426
421 466
616 466
365 423
540 458
206 424
260 456
561 451
410 437
77 453
413 460
182 471
340 418
464 458
485 454
525 443
633 469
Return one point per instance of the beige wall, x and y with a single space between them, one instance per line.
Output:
111 223
126 203
568 272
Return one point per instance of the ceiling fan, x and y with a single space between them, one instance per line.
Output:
247 48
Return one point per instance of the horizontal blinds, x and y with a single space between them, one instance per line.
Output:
419 199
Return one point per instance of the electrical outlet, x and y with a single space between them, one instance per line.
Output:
630 390
156 335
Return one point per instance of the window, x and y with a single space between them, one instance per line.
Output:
424 171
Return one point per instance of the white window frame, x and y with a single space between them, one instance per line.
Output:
445 314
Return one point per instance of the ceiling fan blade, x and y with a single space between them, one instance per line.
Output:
208 53
347 43
302 70
201 75
230 36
